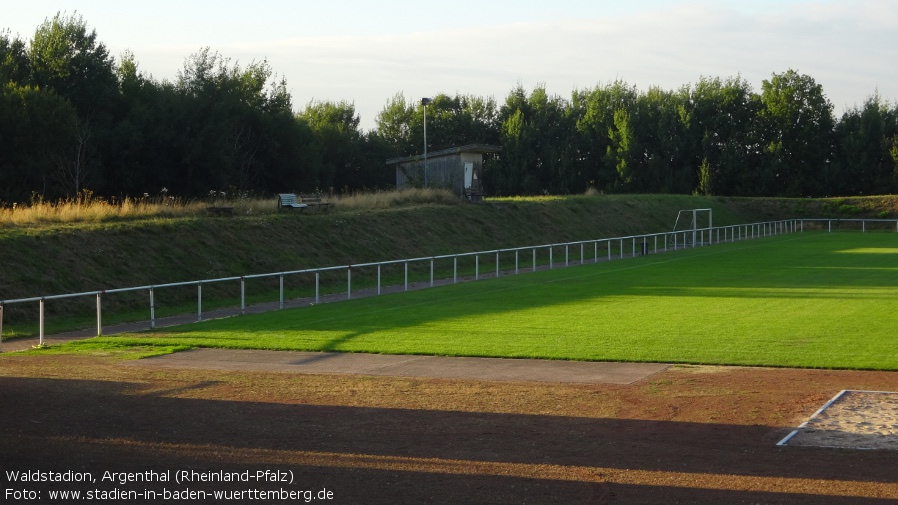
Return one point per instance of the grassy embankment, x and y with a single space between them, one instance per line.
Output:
53 249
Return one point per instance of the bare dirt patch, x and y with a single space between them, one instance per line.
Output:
679 436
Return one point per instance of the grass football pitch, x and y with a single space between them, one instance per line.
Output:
802 300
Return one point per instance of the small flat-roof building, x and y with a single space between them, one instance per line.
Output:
459 169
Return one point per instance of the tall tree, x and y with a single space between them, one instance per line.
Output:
221 124
594 111
14 64
537 156
864 139
799 121
722 122
394 125
34 135
67 57
336 127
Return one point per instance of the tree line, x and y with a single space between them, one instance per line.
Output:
73 121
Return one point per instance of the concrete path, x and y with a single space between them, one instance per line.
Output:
492 369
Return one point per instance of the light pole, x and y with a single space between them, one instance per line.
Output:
425 102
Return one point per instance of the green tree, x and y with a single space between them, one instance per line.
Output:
537 156
721 118
459 120
14 64
67 57
452 121
864 138
221 124
799 121
594 111
336 128
394 125
34 136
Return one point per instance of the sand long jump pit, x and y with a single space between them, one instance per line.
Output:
851 420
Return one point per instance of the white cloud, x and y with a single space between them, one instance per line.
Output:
841 48
374 51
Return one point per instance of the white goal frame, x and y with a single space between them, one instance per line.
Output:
693 215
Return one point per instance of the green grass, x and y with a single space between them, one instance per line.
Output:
803 300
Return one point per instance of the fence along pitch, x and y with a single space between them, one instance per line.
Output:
737 232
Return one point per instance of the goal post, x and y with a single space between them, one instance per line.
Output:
692 223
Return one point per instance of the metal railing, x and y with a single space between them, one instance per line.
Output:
605 249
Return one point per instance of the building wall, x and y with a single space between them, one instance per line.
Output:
443 172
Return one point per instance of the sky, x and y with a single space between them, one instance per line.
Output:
366 52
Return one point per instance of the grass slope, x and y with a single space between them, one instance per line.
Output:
805 300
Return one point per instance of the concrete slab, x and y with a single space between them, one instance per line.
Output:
491 369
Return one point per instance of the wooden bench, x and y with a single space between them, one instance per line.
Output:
220 211
288 201
314 201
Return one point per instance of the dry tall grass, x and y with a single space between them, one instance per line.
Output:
97 210
90 209
390 199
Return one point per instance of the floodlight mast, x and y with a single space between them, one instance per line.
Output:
425 102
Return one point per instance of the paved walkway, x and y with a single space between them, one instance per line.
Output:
497 369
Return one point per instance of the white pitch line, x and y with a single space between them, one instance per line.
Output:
824 407
815 414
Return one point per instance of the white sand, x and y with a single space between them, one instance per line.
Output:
855 420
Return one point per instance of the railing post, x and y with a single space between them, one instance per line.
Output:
621 248
455 269
242 296
317 285
349 282
516 260
609 249
476 267
497 263
406 275
152 309
582 255
40 325
1 322
100 314
595 251
431 272
534 259
199 301
378 278
281 291
551 258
